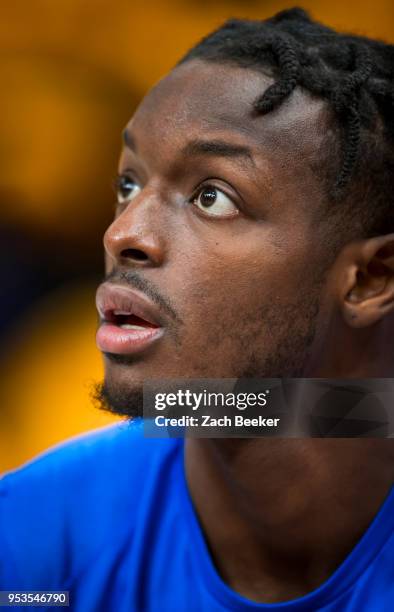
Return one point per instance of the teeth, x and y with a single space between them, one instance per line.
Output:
128 326
122 312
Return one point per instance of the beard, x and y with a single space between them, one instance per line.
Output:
294 330
120 402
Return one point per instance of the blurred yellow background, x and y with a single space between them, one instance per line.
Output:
72 73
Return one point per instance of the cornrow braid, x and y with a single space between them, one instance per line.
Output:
289 74
345 99
353 74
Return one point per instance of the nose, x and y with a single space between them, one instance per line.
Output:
136 235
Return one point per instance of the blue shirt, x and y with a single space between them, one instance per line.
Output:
108 517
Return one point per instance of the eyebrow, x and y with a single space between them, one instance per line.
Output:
128 140
215 148
218 148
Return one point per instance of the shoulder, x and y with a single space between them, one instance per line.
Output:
76 496
88 458
100 458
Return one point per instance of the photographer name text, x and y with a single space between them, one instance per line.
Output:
208 421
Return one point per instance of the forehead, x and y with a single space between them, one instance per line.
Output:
203 98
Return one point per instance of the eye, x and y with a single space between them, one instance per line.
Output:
126 189
215 202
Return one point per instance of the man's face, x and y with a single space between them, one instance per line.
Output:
215 239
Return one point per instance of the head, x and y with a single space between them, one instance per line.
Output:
254 229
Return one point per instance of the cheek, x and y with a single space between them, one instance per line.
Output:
236 289
226 300
216 286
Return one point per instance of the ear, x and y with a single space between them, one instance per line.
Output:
368 289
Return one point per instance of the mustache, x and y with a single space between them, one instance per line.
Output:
136 281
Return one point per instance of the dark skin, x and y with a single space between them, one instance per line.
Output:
256 290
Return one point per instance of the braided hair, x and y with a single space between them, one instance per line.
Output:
354 74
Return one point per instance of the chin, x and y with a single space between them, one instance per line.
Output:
125 400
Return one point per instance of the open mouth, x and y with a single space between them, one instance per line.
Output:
129 321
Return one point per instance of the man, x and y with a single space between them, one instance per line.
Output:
253 237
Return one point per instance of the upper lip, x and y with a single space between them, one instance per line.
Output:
111 297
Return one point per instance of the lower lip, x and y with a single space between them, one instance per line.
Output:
113 339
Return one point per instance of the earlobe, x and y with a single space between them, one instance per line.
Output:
369 286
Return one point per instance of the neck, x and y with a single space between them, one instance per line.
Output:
344 352
280 515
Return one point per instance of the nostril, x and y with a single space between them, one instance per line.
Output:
135 254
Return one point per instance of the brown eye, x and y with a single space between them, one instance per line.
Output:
127 189
215 202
